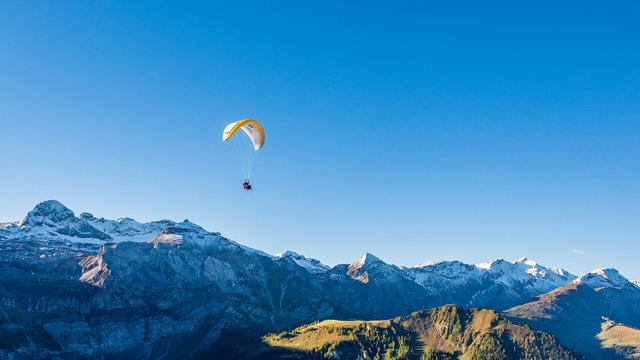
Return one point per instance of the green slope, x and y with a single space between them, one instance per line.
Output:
449 332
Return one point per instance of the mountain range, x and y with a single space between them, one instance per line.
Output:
88 287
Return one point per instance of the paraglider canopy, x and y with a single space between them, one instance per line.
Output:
246 147
252 128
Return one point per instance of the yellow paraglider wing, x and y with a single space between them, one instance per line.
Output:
252 128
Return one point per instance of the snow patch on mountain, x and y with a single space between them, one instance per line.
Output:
127 229
311 265
605 277
166 238
9 230
194 235
427 263
8 225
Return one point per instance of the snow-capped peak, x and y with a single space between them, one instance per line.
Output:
526 271
288 253
605 277
490 264
526 261
311 265
530 266
366 260
428 263
52 219
369 266
50 212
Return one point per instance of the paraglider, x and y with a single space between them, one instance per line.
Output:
246 146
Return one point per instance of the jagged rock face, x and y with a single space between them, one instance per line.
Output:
217 279
55 217
51 213
41 298
143 299
87 287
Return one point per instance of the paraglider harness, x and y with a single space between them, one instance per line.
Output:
246 185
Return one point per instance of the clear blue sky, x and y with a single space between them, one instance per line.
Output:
416 130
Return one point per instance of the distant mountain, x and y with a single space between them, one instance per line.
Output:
50 220
606 278
497 284
83 286
581 311
311 265
448 332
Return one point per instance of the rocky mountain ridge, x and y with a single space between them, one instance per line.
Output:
90 286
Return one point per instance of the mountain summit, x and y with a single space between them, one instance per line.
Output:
369 267
50 213
51 217
605 277
367 260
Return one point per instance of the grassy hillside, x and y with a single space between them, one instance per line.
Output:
622 339
448 332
